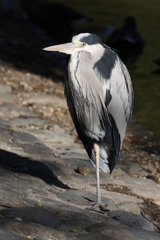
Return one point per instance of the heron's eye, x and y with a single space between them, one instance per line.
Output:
83 44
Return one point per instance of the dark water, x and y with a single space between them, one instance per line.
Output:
145 72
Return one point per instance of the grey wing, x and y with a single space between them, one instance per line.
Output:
116 80
121 91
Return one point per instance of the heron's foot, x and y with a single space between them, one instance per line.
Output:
100 205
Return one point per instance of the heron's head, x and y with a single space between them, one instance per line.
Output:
81 42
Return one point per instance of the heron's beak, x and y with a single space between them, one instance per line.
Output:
68 48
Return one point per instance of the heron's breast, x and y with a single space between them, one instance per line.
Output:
80 66
87 94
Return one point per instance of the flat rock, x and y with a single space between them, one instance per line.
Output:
25 145
94 236
132 220
81 196
138 186
145 191
115 196
102 227
126 207
75 219
9 235
45 99
132 169
25 121
141 234
33 214
5 89
54 137
73 153
120 232
9 198
6 98
142 187
10 110
110 230
32 230
40 238
22 137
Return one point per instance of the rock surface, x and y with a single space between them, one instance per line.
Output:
7 234
45 171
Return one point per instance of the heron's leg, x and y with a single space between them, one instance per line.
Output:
98 202
98 193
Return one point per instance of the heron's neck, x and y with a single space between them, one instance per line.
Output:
84 80
82 63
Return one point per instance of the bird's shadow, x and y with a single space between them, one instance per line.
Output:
15 163
88 199
25 33
21 44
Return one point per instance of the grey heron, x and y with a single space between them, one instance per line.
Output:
99 93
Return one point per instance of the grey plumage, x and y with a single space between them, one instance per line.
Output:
99 93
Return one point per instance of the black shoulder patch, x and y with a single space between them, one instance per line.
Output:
107 62
108 97
91 39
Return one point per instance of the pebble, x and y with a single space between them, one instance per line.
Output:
83 170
